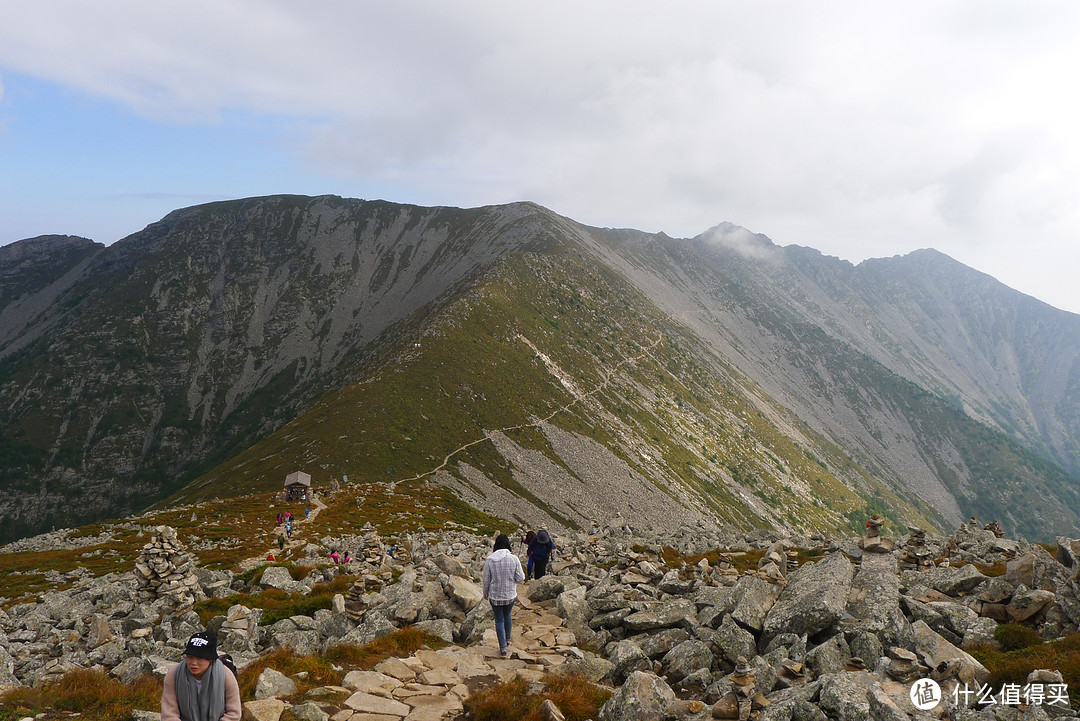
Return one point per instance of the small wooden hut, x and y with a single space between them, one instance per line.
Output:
297 486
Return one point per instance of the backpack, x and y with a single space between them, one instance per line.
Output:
227 662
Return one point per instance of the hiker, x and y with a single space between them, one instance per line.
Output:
200 688
540 551
280 542
334 555
307 511
347 557
280 518
502 573
288 528
270 556
527 540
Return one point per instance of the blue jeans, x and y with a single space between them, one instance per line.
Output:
503 623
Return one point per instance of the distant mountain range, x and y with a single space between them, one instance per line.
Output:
543 371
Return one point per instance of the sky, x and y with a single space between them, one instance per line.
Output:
860 129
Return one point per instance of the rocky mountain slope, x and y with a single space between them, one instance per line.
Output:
541 370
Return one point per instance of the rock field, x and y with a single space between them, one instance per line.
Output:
841 630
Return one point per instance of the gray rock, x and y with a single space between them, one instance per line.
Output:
465 593
643 697
671 583
684 659
866 646
844 695
829 657
309 712
627 657
278 577
440 627
751 600
933 649
451 566
882 706
950 580
549 587
274 684
129 670
980 631
734 641
659 643
594 668
671 613
874 604
814 599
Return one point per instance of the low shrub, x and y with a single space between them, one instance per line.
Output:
92 695
1014 666
1015 636
576 696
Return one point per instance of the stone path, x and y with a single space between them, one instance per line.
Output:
297 540
431 685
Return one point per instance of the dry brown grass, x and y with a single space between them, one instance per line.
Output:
1014 666
576 696
401 643
92 695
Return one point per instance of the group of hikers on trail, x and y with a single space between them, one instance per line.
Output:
203 687
503 572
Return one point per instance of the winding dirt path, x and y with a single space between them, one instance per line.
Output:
565 380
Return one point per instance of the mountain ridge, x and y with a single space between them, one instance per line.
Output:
242 315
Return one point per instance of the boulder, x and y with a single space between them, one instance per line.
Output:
751 599
549 587
657 644
442 628
934 650
278 577
734 641
844 695
451 566
643 697
814 599
264 709
309 712
1027 603
950 580
678 612
686 658
627 657
274 684
874 603
830 656
465 593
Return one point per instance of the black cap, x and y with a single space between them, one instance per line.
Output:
202 645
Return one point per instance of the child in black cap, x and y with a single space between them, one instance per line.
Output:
200 688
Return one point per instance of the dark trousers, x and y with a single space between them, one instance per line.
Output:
539 568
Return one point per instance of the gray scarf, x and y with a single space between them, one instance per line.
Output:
207 705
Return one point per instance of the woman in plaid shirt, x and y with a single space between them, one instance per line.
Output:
502 574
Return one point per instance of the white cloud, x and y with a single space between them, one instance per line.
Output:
862 129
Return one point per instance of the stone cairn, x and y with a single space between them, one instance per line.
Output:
773 565
915 554
873 542
743 698
165 570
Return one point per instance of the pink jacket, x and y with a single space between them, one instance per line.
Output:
171 712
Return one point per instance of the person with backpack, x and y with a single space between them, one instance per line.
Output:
540 551
201 687
527 541
502 574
